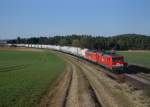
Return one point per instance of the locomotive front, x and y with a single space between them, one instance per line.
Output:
118 64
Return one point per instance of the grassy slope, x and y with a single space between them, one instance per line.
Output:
23 85
141 58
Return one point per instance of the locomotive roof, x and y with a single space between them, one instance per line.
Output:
106 53
113 55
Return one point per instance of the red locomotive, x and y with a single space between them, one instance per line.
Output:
109 60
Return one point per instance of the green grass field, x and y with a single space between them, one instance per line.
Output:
26 76
137 57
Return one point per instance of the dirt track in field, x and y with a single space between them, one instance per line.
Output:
84 86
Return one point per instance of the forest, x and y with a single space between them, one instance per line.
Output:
118 42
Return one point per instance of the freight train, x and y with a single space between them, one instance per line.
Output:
109 60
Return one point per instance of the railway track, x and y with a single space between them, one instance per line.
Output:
83 85
144 76
139 82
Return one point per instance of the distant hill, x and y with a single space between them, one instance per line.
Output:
133 35
119 42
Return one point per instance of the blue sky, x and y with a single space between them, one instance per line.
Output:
26 18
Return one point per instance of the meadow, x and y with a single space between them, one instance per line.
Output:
137 57
25 76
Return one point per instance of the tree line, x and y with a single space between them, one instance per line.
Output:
119 42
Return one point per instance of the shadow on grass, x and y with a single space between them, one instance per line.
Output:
134 69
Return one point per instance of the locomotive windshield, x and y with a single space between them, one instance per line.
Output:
118 60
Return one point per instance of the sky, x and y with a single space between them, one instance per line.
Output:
29 18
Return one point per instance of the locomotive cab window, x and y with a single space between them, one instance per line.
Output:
118 60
